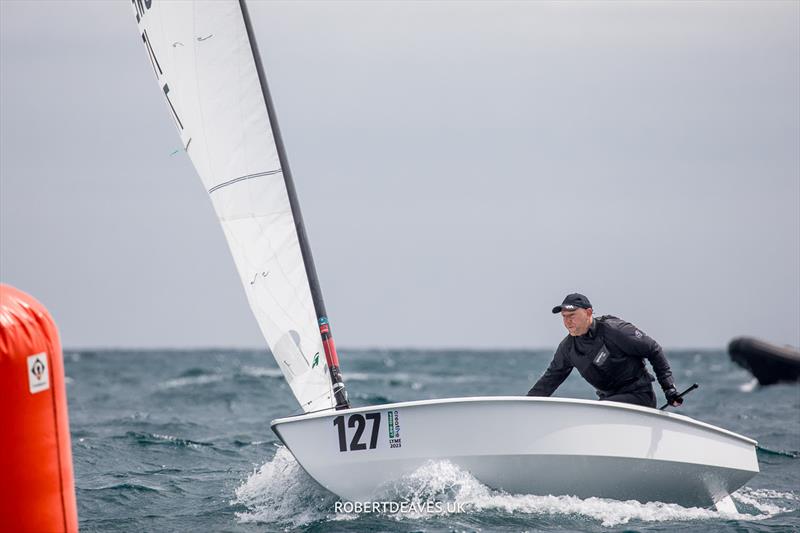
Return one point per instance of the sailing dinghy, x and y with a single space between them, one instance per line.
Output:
208 68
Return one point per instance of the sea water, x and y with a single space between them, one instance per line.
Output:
180 441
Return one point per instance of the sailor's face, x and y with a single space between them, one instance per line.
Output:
577 321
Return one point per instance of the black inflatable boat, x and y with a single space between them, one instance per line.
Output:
768 363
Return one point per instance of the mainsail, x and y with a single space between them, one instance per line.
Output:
207 66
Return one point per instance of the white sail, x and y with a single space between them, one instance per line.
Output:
205 65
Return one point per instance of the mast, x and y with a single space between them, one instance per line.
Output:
339 391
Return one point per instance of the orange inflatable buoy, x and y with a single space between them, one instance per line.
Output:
37 490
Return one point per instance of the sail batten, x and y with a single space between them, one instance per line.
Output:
207 68
242 178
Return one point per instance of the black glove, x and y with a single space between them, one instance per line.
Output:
673 398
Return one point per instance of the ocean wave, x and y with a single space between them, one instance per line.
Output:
794 454
442 481
124 487
261 372
370 399
156 439
241 443
402 378
766 502
191 380
749 386
281 491
356 376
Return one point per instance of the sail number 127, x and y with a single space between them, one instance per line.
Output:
359 423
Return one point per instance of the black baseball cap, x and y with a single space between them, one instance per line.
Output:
573 301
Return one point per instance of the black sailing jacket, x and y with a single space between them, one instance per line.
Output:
610 356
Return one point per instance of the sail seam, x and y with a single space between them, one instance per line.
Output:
242 178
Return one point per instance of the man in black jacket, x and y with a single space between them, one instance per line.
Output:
609 353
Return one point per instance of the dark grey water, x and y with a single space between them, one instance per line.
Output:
180 441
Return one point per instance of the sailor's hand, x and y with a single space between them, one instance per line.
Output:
673 398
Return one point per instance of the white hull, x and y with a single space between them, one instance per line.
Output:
525 445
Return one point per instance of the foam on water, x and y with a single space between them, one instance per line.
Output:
281 491
443 481
358 376
148 439
749 386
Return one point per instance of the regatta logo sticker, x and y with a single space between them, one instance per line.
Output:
38 376
394 429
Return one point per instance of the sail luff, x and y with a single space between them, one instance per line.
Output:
302 237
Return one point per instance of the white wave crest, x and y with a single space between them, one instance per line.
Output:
749 386
765 501
445 482
261 372
280 491
176 440
356 376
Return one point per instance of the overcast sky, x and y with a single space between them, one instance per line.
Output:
461 167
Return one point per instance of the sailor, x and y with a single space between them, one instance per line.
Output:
609 353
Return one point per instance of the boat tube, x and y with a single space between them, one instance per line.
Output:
767 362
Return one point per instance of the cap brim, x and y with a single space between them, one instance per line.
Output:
568 307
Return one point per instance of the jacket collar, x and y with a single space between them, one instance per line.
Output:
592 333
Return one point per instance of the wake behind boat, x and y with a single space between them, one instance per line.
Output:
524 445
208 68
